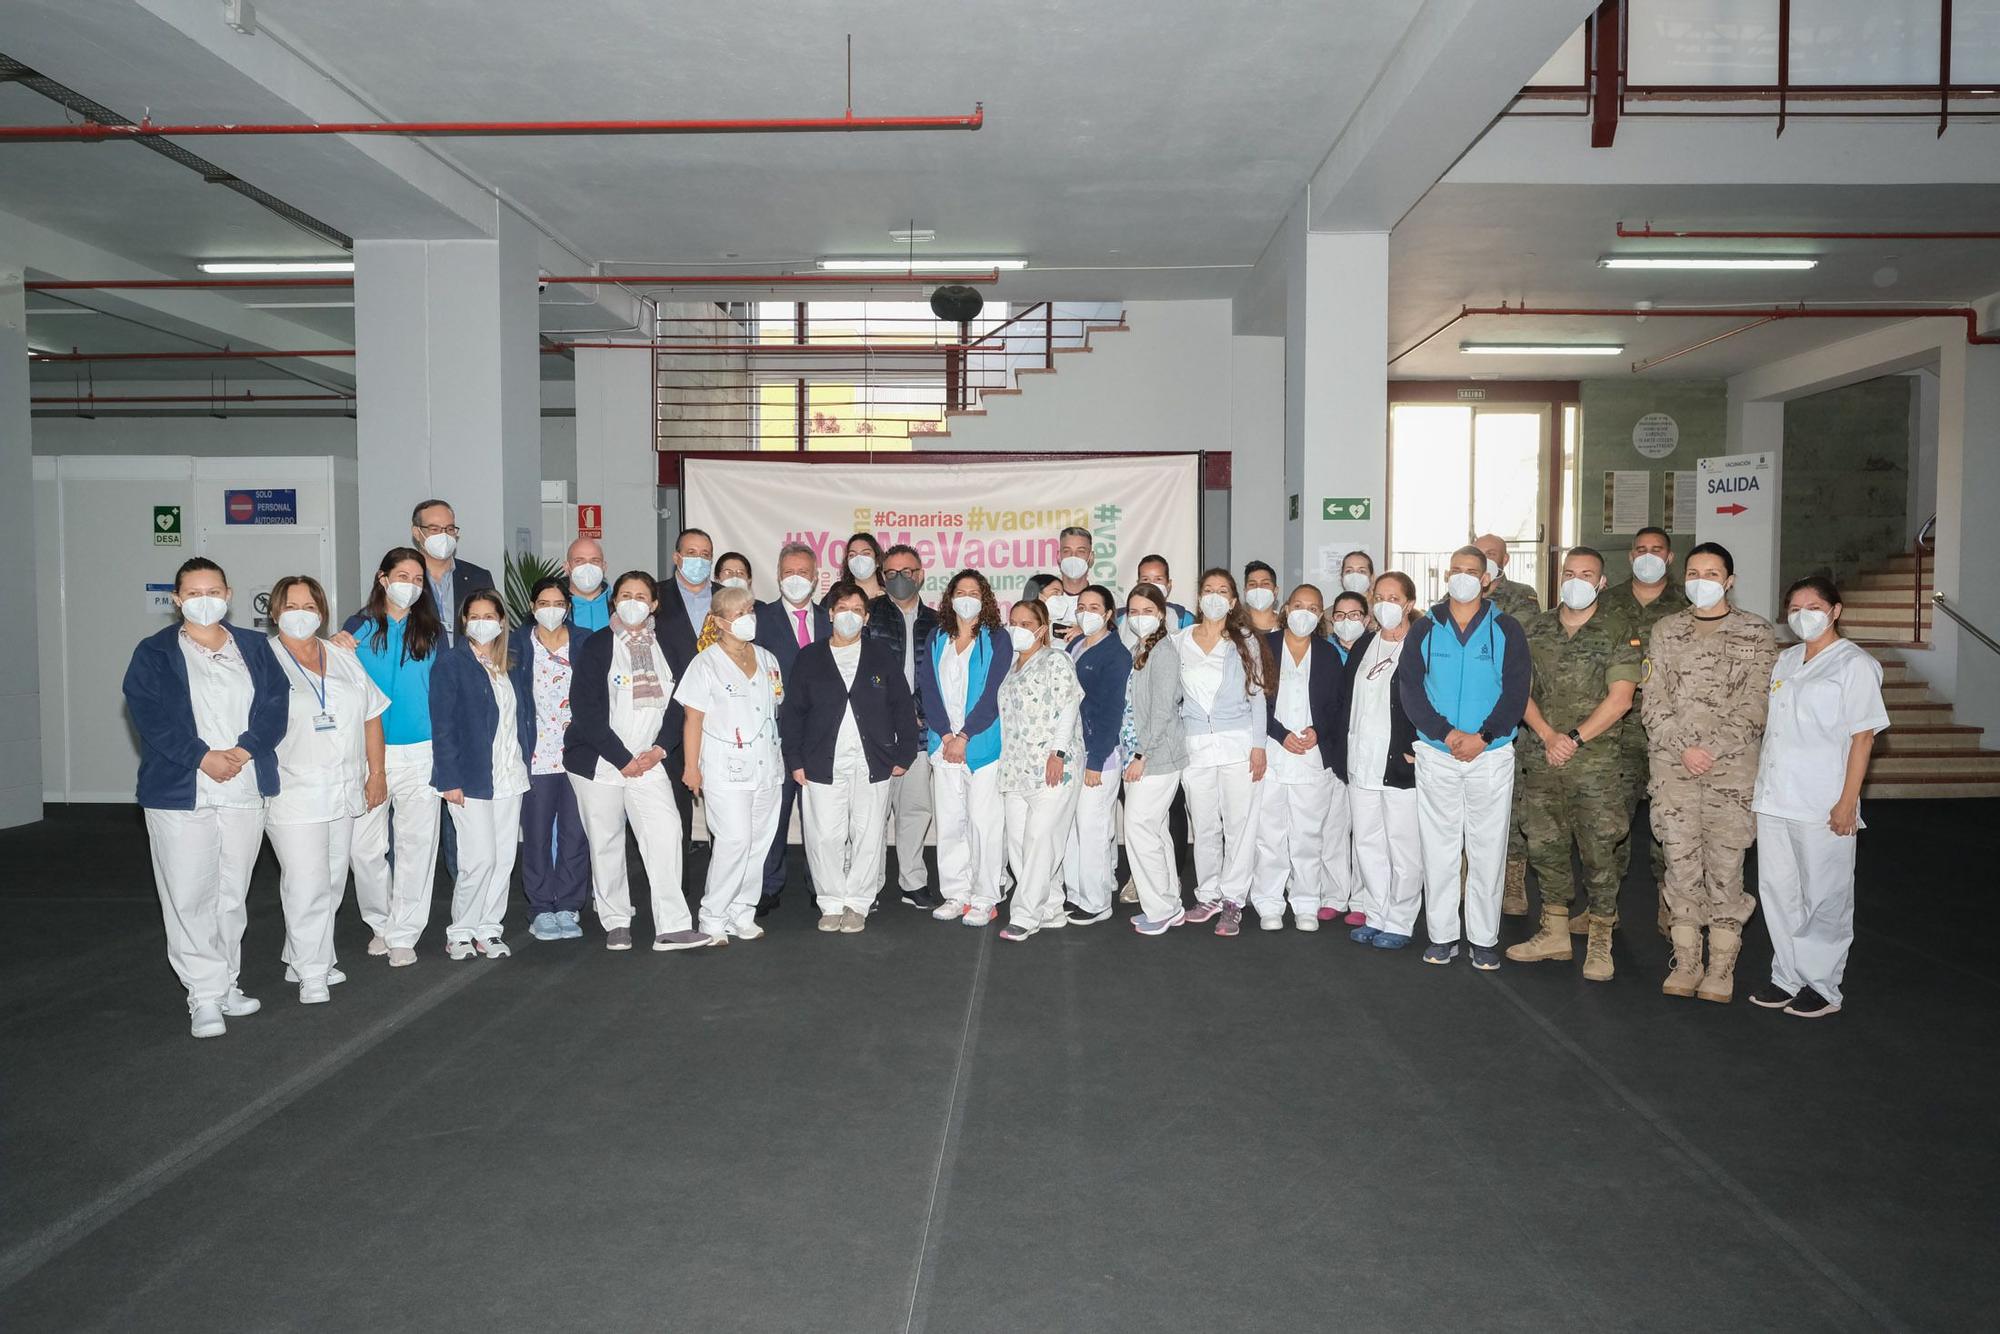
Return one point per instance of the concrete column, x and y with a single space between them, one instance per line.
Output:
20 660
1336 395
617 465
1754 427
447 370
1968 542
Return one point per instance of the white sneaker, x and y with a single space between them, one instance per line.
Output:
1306 921
748 931
378 946
457 949
314 993
976 916
205 1020
492 947
1275 922
401 956
238 1004
334 977
949 909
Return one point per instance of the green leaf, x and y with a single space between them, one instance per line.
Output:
521 572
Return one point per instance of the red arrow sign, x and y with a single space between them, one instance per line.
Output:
1731 509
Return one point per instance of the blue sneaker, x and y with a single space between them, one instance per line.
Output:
1389 940
1361 935
545 927
571 928
1158 926
1441 953
1486 958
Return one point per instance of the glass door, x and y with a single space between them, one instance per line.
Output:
1457 471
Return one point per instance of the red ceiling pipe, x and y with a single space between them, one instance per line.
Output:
1966 313
94 132
138 284
577 280
1678 352
778 349
225 354
198 398
1649 232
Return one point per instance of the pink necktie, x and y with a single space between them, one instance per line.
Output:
804 638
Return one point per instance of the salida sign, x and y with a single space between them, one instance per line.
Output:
1731 490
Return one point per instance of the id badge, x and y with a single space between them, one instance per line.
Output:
323 721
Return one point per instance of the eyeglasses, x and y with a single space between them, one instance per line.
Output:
438 530
1350 616
904 569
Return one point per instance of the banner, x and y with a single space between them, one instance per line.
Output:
1000 518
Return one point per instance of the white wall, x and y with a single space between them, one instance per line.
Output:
20 710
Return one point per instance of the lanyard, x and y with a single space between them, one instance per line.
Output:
319 689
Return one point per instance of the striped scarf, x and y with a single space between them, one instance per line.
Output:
647 692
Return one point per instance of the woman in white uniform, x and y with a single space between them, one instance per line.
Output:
735 762
1103 669
1342 898
1299 785
330 770
1377 759
1041 754
1227 674
1826 707
209 706
482 733
959 671
1159 753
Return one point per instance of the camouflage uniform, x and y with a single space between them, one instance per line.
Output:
1708 689
1519 601
1643 616
1588 798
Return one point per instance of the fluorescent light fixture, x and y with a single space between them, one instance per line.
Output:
918 266
1544 349
1706 262
286 266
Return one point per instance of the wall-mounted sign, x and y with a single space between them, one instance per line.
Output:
166 525
1655 435
260 506
159 600
590 521
1351 509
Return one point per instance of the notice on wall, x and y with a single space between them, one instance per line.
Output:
1655 435
590 521
166 525
159 600
1677 492
1628 495
261 506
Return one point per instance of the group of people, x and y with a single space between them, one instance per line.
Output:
1345 761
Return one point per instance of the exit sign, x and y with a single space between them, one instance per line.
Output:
1347 509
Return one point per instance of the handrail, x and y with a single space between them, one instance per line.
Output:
1938 601
1011 319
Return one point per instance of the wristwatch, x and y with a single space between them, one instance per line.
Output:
1576 736
1063 755
1486 736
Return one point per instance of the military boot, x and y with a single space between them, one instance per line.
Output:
1579 923
1686 975
1718 984
1597 958
1514 900
1551 942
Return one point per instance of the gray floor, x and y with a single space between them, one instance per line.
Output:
924 1127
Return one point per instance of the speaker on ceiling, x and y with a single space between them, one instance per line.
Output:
957 303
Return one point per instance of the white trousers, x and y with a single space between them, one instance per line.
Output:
489 835
1805 882
397 904
1341 883
846 835
971 832
1222 805
201 866
312 878
656 823
1463 809
741 824
1149 844
1090 855
910 804
1037 825
1289 854
1389 853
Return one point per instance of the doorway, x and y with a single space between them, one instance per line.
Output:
1457 470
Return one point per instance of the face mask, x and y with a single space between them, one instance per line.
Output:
1355 581
736 581
847 624
966 609
695 569
1648 568
1089 622
1073 567
1143 623
1705 593
743 627
298 623
1809 624
1349 631
1578 593
901 585
439 546
1022 637
1302 622
1464 587
1259 599
633 612
404 595
1492 568
1061 607
586 578
1166 589
551 618
862 566
1388 615
482 631
796 588
1214 606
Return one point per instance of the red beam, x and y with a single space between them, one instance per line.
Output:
226 354
1605 74
882 279
197 398
139 284
1965 313
94 132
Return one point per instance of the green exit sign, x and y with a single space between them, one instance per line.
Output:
1346 508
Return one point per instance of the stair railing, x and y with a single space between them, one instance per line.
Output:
1938 601
1925 541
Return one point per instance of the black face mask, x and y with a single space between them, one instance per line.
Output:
901 585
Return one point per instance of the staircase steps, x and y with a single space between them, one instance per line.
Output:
1924 754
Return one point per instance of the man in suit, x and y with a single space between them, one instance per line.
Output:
434 531
903 621
684 597
783 628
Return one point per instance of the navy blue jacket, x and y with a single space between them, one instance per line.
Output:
1322 697
464 715
778 633
1401 770
590 737
816 700
521 644
1103 671
885 624
162 710
670 623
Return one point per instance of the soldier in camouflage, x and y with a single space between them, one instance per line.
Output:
1519 601
1586 670
1707 690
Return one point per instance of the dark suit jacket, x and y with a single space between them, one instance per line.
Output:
778 633
670 623
590 737
816 700
1322 695
1399 772
885 624
464 718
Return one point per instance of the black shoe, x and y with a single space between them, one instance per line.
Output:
1809 1004
1771 996
1083 916
925 898
767 906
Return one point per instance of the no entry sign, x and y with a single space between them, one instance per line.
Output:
260 506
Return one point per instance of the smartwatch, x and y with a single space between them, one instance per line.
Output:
1576 736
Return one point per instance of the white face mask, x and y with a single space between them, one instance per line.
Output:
736 581
1214 606
847 624
744 627
1260 599
586 578
1649 568
796 588
1143 624
1705 593
1302 622
1464 587
439 546
862 566
1388 615
1023 638
1809 623
1061 606
1073 567
633 612
298 623
1492 568
551 618
404 595
966 608
483 630
1349 631
1089 622
1166 588
1355 581
1577 593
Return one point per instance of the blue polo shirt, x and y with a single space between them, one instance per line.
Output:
406 683
590 613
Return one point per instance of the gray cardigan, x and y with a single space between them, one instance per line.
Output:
1155 692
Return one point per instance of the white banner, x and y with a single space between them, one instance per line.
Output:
1000 518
